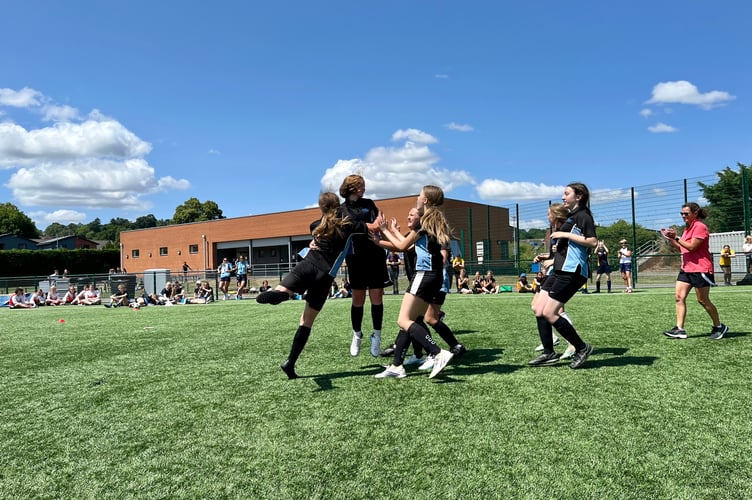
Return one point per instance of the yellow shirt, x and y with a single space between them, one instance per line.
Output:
725 260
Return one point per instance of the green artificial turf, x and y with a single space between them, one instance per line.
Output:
189 402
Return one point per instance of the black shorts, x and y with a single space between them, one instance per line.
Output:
563 286
225 279
365 273
242 278
604 268
439 299
697 280
625 268
427 285
307 276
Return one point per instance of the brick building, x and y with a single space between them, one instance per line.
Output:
272 241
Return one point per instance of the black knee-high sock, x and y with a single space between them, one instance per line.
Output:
545 332
298 343
597 286
356 317
567 331
608 284
417 349
377 315
420 334
446 333
403 340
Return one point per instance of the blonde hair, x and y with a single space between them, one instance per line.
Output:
331 222
433 220
559 212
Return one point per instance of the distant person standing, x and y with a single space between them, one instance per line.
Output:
747 249
225 275
696 270
393 261
242 276
601 253
186 268
725 263
625 265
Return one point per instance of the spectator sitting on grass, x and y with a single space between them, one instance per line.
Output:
91 296
38 298
119 298
523 286
53 299
18 300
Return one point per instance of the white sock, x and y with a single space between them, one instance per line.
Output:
564 315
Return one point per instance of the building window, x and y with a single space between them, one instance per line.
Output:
192 248
135 253
162 251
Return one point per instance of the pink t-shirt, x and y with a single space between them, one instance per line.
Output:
700 260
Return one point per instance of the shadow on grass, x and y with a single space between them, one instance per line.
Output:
619 358
731 335
474 362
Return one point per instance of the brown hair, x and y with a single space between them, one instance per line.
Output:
696 209
331 222
350 185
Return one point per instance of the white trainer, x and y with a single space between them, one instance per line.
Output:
427 364
355 344
392 371
442 359
568 353
375 343
414 360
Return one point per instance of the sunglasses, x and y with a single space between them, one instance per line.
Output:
685 214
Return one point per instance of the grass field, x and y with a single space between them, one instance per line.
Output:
189 402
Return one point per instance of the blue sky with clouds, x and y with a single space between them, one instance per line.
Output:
121 109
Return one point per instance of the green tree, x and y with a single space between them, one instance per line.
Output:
55 230
194 210
145 221
724 209
15 222
622 229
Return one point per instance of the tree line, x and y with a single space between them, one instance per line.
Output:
14 221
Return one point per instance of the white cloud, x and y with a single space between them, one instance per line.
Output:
646 112
24 98
64 217
683 92
213 151
603 196
498 190
414 135
459 127
442 76
662 128
63 141
90 182
92 161
397 171
54 113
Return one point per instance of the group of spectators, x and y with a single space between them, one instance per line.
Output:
173 293
89 296
480 284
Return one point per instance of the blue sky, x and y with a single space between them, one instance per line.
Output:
121 109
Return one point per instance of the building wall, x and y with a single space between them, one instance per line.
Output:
268 231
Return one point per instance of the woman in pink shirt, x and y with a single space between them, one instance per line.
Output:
696 270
